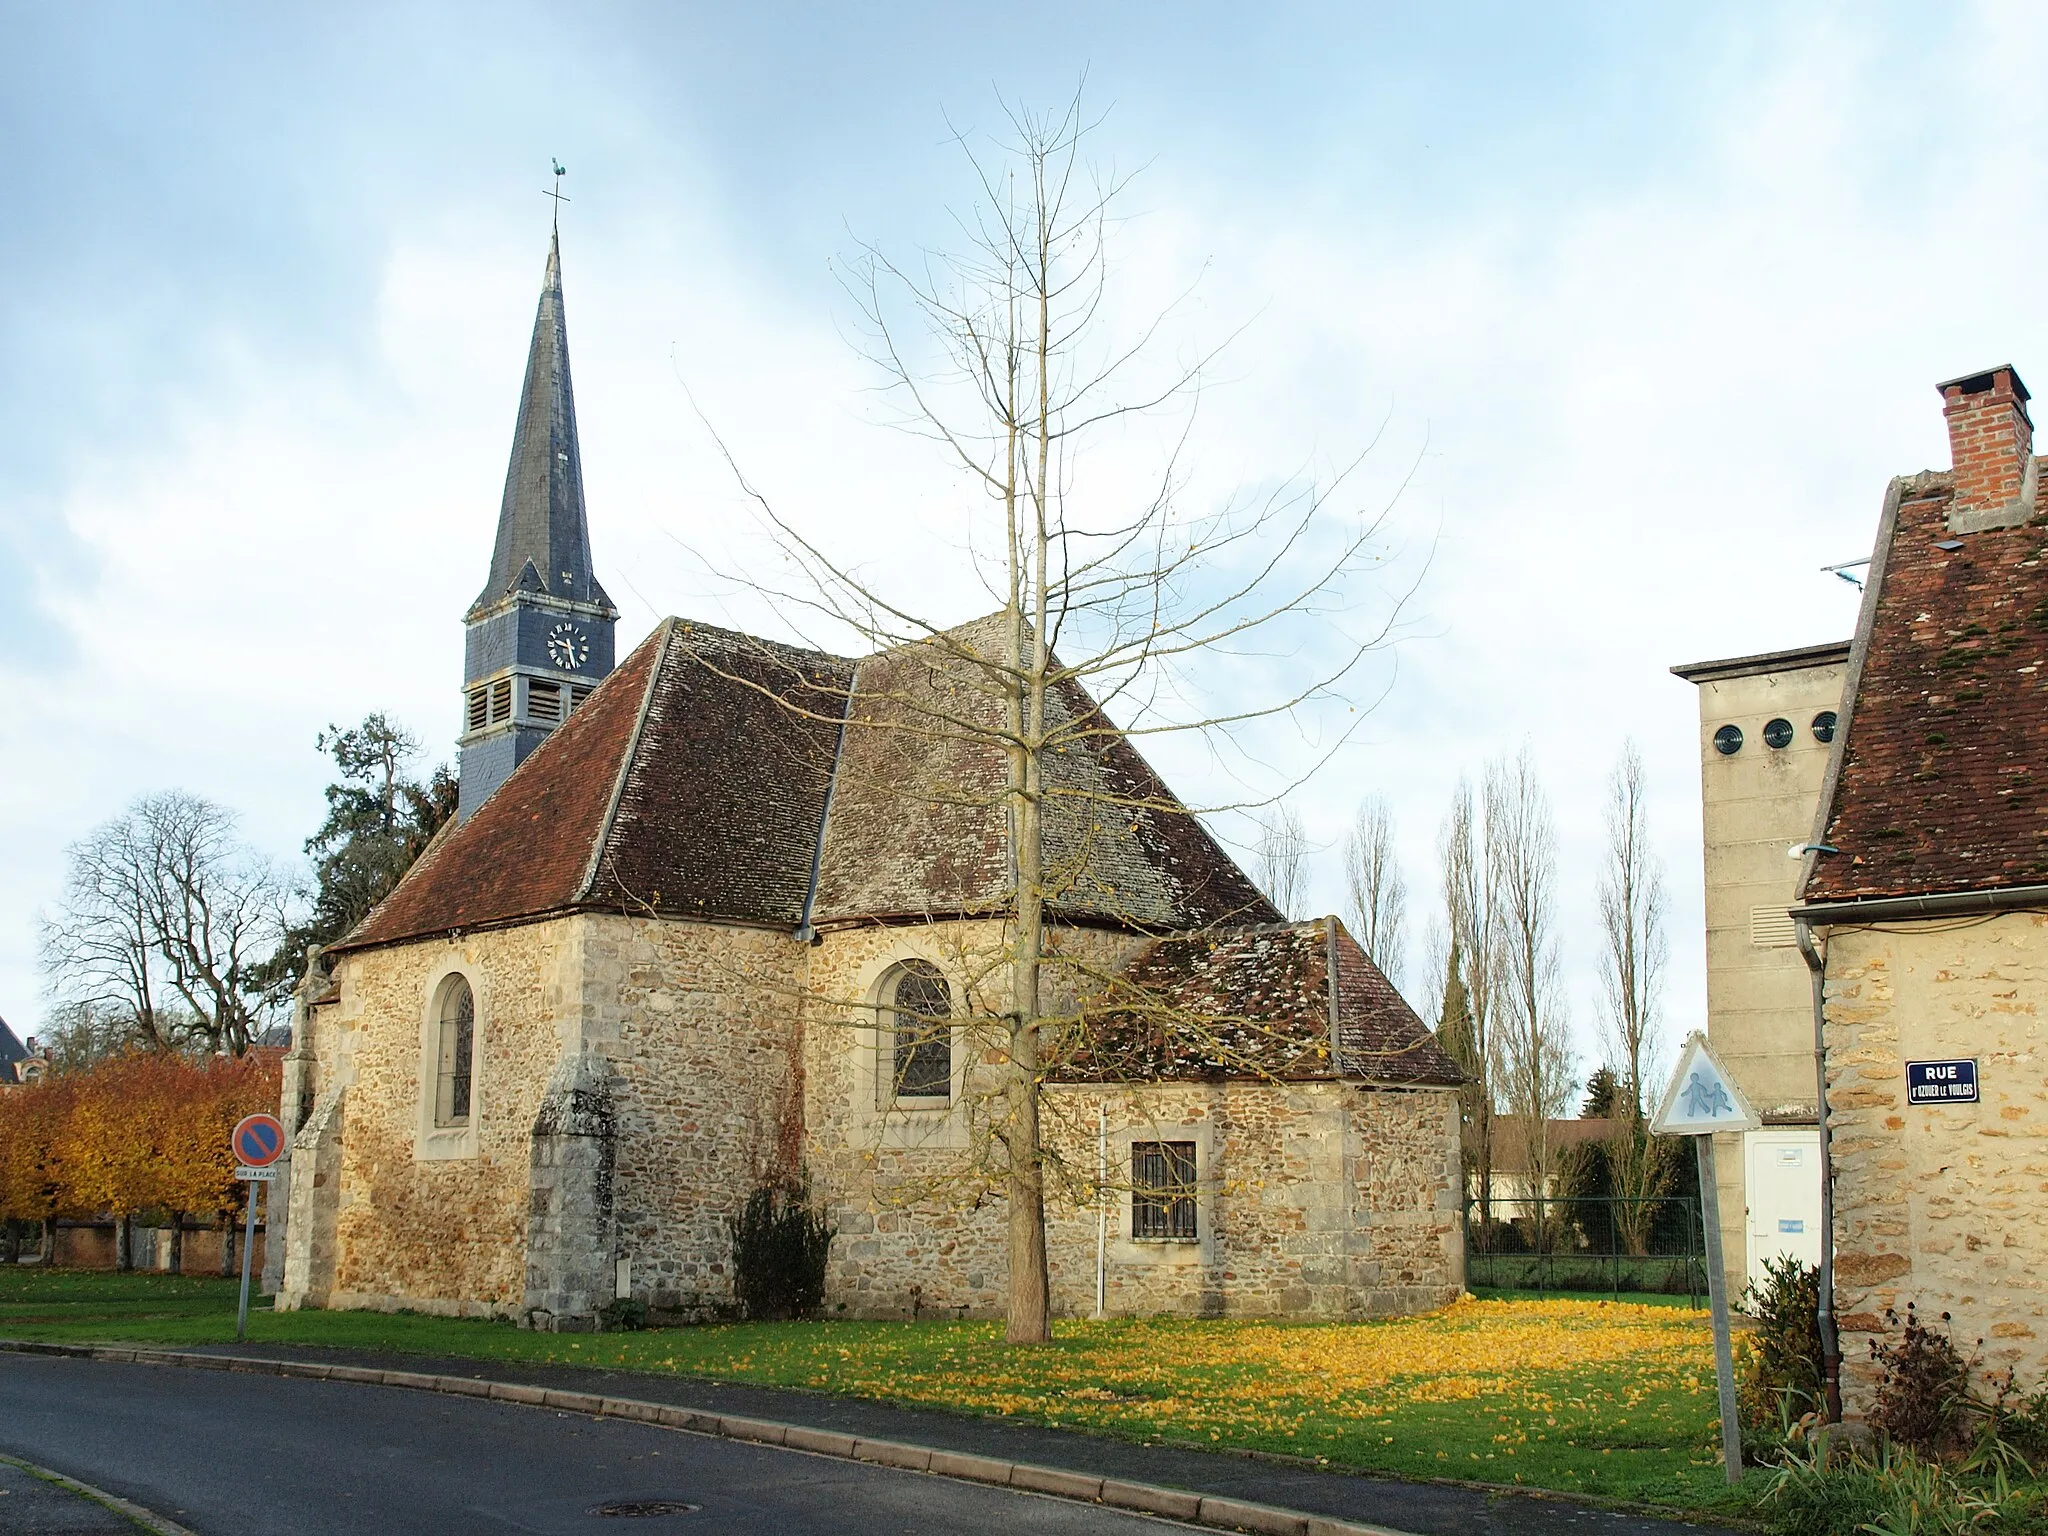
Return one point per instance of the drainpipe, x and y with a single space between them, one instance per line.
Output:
1830 1341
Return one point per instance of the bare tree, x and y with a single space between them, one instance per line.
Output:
166 917
1633 956
1535 1054
1379 893
1010 357
1283 859
99 951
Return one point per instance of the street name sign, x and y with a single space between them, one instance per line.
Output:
1941 1082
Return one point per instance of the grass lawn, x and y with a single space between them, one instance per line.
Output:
1579 1396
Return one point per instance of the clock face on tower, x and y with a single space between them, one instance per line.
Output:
568 646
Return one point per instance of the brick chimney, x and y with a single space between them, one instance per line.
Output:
1990 443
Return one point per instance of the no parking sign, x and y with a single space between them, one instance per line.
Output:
258 1141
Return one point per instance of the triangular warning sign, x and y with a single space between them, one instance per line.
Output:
1702 1097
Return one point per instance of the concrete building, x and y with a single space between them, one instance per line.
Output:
1926 896
745 911
1767 724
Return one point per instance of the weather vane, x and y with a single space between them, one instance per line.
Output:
560 171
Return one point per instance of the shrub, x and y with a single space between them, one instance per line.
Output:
1784 1375
779 1248
1924 1382
622 1314
1900 1494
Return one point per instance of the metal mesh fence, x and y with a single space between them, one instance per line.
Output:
1573 1246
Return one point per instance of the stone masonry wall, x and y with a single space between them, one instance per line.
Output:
693 1021
699 1024
1940 1205
446 1234
1317 1199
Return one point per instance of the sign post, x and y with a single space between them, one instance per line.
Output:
1702 1100
257 1142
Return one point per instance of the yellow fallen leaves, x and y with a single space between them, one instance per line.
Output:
1524 1365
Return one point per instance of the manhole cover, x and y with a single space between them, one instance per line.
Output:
644 1509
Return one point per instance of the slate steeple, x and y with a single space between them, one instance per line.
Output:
540 633
543 537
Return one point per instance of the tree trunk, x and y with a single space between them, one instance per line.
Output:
1030 1316
124 1240
176 1263
227 1243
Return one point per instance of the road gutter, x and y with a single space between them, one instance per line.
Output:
148 1520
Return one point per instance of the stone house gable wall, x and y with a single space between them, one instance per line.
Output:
1319 1199
1938 1205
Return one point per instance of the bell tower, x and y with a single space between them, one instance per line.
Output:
540 633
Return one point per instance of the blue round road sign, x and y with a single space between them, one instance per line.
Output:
258 1140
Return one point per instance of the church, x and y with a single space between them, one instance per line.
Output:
701 927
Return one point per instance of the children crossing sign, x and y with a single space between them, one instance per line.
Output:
1702 1098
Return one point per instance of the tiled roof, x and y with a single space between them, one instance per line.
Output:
678 787
1945 749
722 800
695 782
919 820
1255 1002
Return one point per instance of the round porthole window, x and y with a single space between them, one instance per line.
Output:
1728 740
1778 734
1824 725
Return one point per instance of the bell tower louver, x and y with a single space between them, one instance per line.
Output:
540 633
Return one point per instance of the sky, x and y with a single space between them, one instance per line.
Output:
1637 309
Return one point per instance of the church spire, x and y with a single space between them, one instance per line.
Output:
539 637
543 539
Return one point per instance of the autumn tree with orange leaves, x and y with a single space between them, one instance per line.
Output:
146 1131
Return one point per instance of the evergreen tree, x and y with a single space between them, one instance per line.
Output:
379 819
1604 1096
1454 1032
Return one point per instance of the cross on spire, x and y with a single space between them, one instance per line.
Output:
560 171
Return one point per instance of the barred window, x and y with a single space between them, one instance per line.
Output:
921 1008
457 1053
1163 1191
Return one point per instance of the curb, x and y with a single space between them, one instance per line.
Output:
148 1519
1202 1509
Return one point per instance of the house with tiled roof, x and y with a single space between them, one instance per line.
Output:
732 913
1923 906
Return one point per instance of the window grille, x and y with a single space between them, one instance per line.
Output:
501 700
479 708
544 701
457 1054
1163 1191
922 1006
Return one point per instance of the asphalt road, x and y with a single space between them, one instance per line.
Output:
248 1455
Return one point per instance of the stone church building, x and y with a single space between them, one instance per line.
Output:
703 925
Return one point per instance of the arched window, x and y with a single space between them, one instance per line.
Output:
920 1010
456 1058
